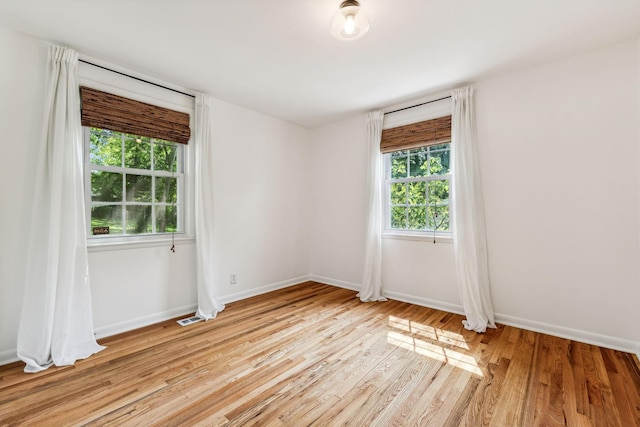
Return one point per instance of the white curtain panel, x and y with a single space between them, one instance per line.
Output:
56 323
469 237
208 305
372 277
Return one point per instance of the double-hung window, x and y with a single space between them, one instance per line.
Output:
135 183
417 160
134 166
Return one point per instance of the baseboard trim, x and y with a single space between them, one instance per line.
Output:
335 282
264 289
139 322
425 302
586 337
9 356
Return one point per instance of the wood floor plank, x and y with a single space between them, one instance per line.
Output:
514 388
313 354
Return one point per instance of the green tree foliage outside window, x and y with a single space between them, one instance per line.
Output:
418 186
134 183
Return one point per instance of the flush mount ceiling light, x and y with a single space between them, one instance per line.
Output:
349 22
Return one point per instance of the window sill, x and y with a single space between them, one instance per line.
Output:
102 245
420 237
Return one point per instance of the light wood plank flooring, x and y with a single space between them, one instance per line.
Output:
313 354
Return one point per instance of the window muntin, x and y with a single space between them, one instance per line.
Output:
417 189
134 184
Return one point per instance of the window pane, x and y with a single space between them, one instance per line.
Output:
399 217
398 194
400 153
107 216
418 193
138 219
438 192
417 218
418 162
165 155
439 218
166 219
398 167
105 147
439 161
106 186
166 189
137 152
138 188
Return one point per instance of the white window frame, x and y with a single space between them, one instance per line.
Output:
141 237
389 232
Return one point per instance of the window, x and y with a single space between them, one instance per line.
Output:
134 166
417 188
417 175
135 184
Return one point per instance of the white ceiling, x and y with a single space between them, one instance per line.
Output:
277 56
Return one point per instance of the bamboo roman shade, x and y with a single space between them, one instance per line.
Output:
414 135
107 111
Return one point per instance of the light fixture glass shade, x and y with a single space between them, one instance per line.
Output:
349 22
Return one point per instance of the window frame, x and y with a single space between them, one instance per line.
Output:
180 175
387 230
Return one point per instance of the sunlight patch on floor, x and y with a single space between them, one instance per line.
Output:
434 347
427 331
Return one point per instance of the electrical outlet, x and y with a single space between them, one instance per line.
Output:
233 279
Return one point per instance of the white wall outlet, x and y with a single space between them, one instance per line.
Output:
233 279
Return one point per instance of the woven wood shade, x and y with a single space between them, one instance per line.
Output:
421 134
106 111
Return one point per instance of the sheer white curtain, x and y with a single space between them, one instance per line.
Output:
56 323
372 277
469 237
208 305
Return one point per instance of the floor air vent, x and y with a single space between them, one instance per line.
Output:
189 320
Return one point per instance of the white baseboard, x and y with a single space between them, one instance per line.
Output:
425 302
8 356
336 282
531 325
139 322
570 333
264 289
398 296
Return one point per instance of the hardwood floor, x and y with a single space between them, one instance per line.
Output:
313 354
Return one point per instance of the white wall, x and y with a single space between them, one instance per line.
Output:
560 166
132 287
638 193
21 94
338 204
261 217
559 157
261 193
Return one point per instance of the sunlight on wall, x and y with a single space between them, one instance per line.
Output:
434 345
